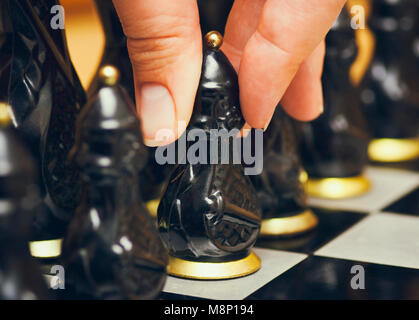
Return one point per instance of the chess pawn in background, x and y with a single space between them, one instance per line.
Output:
20 277
333 147
112 249
45 95
280 188
389 91
209 216
116 53
213 14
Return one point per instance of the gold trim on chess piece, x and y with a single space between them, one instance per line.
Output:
46 248
338 188
213 270
394 150
152 207
289 226
5 119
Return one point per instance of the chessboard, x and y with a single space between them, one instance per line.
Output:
363 248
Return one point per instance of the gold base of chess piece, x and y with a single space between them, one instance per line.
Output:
214 270
289 226
338 188
45 249
152 207
394 150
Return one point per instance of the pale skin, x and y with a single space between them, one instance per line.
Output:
276 47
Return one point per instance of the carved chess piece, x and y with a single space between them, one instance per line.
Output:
112 250
45 95
20 277
333 147
280 188
209 216
390 97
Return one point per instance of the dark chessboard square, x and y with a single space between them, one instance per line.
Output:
409 204
331 224
330 279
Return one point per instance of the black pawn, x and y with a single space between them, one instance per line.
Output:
390 95
209 212
280 187
112 249
45 95
116 54
335 145
20 277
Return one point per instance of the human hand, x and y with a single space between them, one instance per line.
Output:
276 46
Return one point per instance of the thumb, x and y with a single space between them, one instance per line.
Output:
165 47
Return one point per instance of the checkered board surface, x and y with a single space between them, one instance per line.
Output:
378 231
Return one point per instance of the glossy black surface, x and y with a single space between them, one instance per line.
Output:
209 212
112 249
279 189
409 204
327 278
335 144
331 224
213 14
390 94
39 82
20 277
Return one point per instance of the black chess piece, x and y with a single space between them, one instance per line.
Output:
112 249
20 277
280 187
390 95
213 14
209 216
116 53
333 147
39 83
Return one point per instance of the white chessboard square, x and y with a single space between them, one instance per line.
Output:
388 185
274 263
382 238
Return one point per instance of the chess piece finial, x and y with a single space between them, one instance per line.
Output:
112 250
213 40
109 75
209 216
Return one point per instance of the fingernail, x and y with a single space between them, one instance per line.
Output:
158 115
321 109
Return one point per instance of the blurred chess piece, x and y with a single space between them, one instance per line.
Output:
45 95
213 14
334 146
390 95
209 216
280 188
112 249
20 277
116 54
